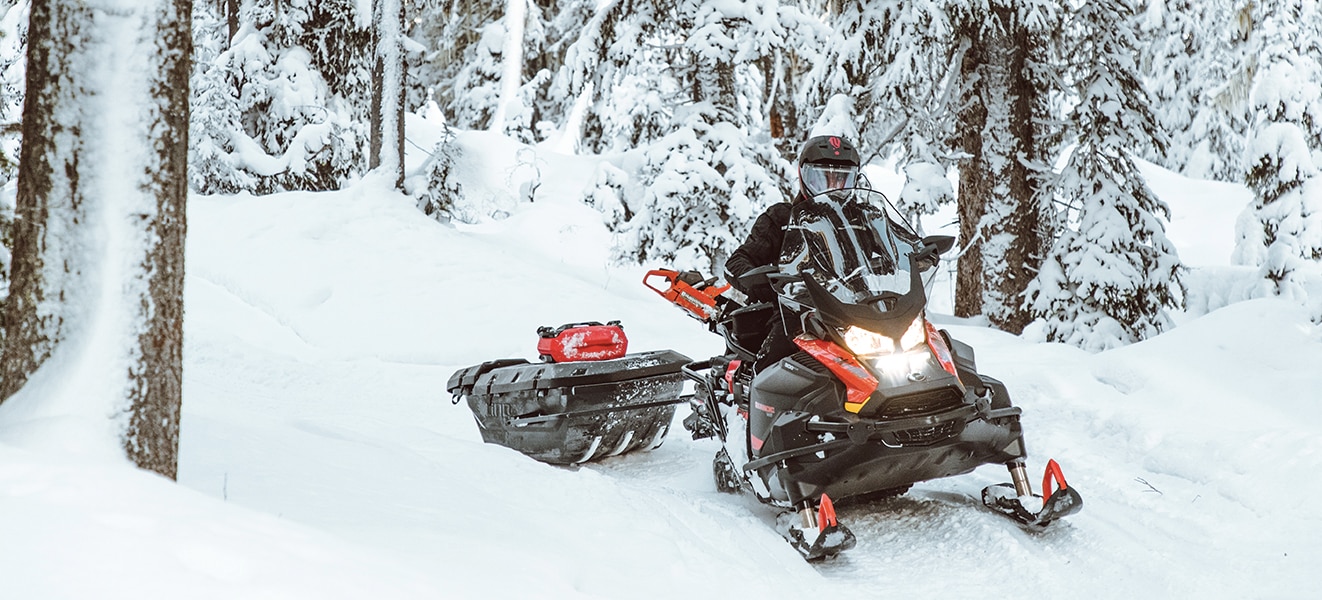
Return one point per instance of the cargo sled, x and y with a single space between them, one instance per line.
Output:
573 412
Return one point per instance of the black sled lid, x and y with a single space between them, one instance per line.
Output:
513 375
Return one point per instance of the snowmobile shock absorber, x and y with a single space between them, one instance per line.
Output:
1019 474
808 514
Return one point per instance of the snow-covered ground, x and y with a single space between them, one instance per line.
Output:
321 456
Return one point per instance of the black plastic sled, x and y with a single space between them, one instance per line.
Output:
574 412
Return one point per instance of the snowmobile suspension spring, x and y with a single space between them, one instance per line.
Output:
1019 474
808 515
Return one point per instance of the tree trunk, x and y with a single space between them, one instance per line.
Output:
232 20
998 206
43 273
973 185
511 56
1023 256
98 258
387 119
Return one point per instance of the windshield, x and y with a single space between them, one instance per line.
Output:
855 244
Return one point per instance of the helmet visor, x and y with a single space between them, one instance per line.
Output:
818 178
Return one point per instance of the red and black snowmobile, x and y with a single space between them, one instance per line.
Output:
875 399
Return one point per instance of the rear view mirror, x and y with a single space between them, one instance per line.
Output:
930 253
943 243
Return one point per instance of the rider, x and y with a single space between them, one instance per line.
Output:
825 163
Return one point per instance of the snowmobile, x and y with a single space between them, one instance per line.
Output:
874 400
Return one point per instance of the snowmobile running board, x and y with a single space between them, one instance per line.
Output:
521 421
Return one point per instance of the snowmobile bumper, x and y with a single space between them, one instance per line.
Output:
574 412
863 457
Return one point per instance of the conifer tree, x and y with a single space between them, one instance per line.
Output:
1281 232
1199 70
286 105
1108 281
709 170
1005 128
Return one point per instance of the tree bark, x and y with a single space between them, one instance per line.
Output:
231 20
387 120
1000 222
973 184
43 273
156 381
99 248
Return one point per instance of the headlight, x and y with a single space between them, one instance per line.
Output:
864 343
867 343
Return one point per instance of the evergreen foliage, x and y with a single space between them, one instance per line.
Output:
712 169
1109 280
463 64
440 194
13 51
894 59
1283 235
1199 70
283 107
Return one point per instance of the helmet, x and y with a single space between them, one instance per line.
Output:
827 162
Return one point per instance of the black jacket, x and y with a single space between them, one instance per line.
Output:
761 248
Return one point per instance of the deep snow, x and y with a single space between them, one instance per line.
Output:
322 458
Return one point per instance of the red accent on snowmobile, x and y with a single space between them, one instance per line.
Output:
942 351
729 374
755 442
1052 472
859 383
826 513
698 302
582 341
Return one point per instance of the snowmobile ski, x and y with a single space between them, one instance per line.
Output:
1006 499
819 535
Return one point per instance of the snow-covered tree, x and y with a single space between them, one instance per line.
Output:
94 326
388 94
1199 68
1283 235
1009 88
286 106
485 58
1108 282
620 68
706 167
439 195
13 48
894 59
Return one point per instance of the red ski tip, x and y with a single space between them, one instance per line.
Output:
1052 472
826 513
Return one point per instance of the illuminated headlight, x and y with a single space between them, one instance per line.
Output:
867 343
915 335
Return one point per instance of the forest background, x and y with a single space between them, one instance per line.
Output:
1035 110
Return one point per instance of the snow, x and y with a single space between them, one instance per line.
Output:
321 457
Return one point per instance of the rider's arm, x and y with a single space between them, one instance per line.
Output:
762 247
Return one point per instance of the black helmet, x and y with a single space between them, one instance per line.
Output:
827 162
